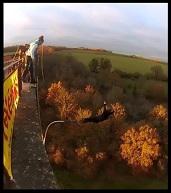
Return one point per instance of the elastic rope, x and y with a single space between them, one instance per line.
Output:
42 65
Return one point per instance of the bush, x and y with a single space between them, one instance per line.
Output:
117 80
62 100
140 147
157 72
57 157
82 114
119 111
82 152
94 65
104 82
89 89
159 112
155 91
100 64
65 69
137 108
123 74
88 99
115 94
105 64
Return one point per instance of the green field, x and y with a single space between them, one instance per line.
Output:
124 63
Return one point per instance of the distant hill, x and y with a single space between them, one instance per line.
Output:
10 49
50 49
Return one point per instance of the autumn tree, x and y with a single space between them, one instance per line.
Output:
158 116
63 100
82 114
159 112
56 156
82 152
140 147
119 111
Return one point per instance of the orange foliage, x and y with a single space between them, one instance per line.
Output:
82 114
57 157
159 112
119 111
82 152
53 92
100 156
63 100
140 147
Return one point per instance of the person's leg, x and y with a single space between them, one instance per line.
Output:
32 71
35 69
26 70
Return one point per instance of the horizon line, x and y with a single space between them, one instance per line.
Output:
154 58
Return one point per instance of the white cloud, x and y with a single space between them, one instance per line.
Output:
112 26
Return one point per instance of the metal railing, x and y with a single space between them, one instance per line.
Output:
9 69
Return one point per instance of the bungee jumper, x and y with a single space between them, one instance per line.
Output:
105 115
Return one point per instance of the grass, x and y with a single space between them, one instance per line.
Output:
68 180
124 63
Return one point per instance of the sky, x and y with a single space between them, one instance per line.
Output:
130 28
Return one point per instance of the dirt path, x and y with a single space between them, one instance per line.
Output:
31 168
